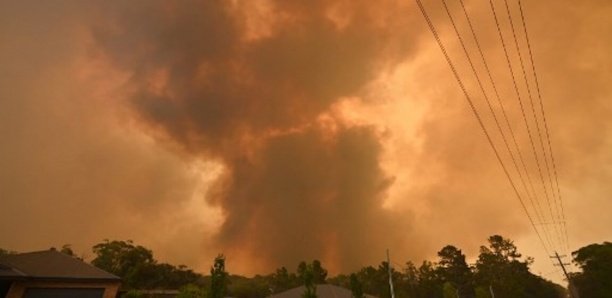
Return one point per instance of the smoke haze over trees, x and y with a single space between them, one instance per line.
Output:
499 268
226 126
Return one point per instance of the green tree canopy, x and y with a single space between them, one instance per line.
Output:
356 287
282 280
137 267
218 278
121 258
375 281
410 280
319 274
501 268
595 280
306 272
430 281
244 287
455 270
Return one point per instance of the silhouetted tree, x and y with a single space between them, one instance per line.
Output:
218 278
67 249
376 280
500 266
595 280
356 287
409 284
301 270
430 282
311 275
282 280
244 287
307 273
124 259
137 267
454 269
319 273
449 290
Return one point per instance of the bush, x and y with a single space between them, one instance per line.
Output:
191 291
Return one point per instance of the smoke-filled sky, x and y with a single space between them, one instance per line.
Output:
280 131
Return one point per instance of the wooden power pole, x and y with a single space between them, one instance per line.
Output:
571 288
390 276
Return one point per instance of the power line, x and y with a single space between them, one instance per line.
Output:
486 97
536 206
478 118
537 124
518 95
552 157
501 104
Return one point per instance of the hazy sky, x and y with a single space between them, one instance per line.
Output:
281 131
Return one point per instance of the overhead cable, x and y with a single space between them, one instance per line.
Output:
552 156
490 106
537 124
478 118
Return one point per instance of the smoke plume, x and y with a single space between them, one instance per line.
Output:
279 131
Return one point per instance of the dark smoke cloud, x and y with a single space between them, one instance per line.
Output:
292 188
304 196
278 131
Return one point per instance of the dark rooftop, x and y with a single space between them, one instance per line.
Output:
49 264
323 291
8 272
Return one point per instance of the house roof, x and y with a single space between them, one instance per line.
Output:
50 264
8 272
323 291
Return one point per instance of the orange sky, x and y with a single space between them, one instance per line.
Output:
278 131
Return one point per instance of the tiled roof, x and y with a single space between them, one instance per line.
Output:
50 264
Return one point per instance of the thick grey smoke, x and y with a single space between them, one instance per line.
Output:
314 129
292 187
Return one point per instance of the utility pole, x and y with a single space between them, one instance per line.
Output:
571 289
390 278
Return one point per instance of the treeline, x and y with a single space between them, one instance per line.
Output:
137 267
500 271
595 280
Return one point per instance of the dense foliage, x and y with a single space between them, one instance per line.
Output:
500 270
218 279
137 267
356 286
310 276
595 260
